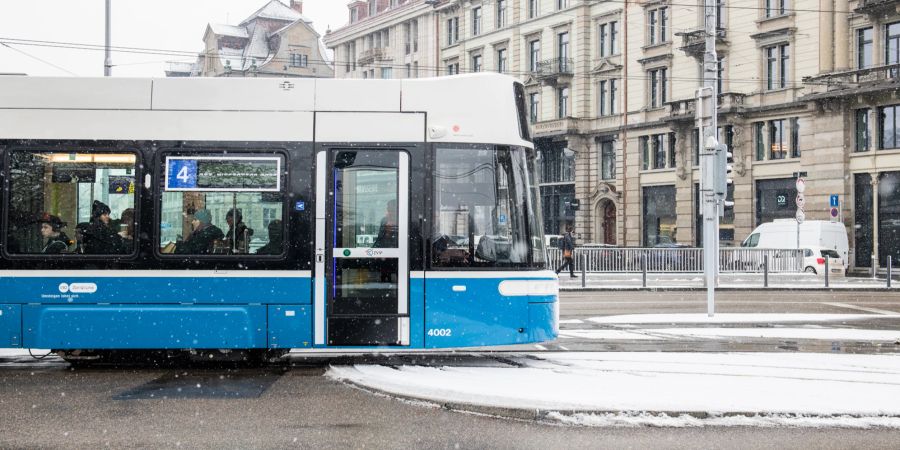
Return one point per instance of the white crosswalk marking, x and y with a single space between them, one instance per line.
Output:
861 308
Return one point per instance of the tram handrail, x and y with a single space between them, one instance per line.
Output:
679 260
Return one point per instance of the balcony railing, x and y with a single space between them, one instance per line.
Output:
877 7
558 126
371 55
555 69
851 82
693 42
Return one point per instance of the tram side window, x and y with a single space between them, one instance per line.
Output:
222 205
71 203
481 201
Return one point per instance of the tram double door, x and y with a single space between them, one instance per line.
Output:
362 223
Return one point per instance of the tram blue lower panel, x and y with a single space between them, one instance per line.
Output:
290 326
473 317
144 327
543 321
10 326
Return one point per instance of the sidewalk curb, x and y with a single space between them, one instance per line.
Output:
544 415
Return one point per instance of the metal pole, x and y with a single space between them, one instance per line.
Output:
766 270
889 270
709 122
827 264
107 63
583 268
644 270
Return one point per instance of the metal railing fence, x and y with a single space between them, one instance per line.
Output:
679 260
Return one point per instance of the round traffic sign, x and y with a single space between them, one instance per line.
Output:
801 216
801 185
801 201
835 212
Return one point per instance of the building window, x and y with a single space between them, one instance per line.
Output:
657 151
476 21
534 105
777 68
760 138
387 73
607 160
415 36
408 70
720 75
562 106
609 39
453 68
889 128
557 167
775 199
501 61
562 51
892 46
298 60
777 143
794 123
657 26
657 87
501 13
864 45
562 4
659 217
476 63
407 38
452 30
775 8
532 8
862 130
534 54
607 101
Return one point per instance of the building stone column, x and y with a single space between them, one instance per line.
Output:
842 36
826 36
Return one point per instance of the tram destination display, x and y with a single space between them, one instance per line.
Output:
232 174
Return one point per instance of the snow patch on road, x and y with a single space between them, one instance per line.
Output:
735 318
627 420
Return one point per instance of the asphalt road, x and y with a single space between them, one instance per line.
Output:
50 404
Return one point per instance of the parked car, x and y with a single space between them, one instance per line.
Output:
782 234
814 261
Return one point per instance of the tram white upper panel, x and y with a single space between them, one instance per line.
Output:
476 108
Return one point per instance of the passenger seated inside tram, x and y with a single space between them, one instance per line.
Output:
126 225
276 239
238 236
99 238
387 231
203 238
51 231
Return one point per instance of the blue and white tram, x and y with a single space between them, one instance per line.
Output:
270 214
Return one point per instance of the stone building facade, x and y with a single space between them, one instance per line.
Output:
275 41
805 88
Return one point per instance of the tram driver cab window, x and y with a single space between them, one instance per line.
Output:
71 202
485 209
220 205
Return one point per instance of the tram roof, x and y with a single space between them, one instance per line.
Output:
475 108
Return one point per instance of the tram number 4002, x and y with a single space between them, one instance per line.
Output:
440 332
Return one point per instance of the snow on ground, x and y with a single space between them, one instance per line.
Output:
828 334
736 318
765 389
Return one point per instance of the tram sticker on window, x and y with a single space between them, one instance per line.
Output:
217 173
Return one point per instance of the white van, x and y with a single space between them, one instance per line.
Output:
782 233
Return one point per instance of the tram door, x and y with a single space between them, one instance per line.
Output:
364 229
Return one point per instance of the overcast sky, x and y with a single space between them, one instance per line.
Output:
166 25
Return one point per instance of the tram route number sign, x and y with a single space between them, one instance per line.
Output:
214 173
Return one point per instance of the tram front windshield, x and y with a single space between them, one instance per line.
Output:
486 208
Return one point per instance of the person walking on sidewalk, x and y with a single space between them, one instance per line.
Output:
567 245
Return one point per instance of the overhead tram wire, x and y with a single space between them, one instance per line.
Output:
38 59
426 68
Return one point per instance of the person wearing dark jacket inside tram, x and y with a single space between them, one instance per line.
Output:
51 230
276 240
238 235
202 240
99 236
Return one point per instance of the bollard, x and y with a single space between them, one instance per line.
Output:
583 268
766 271
889 266
827 259
644 270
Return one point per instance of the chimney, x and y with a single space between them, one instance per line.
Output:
297 5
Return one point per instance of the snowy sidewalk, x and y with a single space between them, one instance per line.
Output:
625 281
658 389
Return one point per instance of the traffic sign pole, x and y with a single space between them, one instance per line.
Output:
801 203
